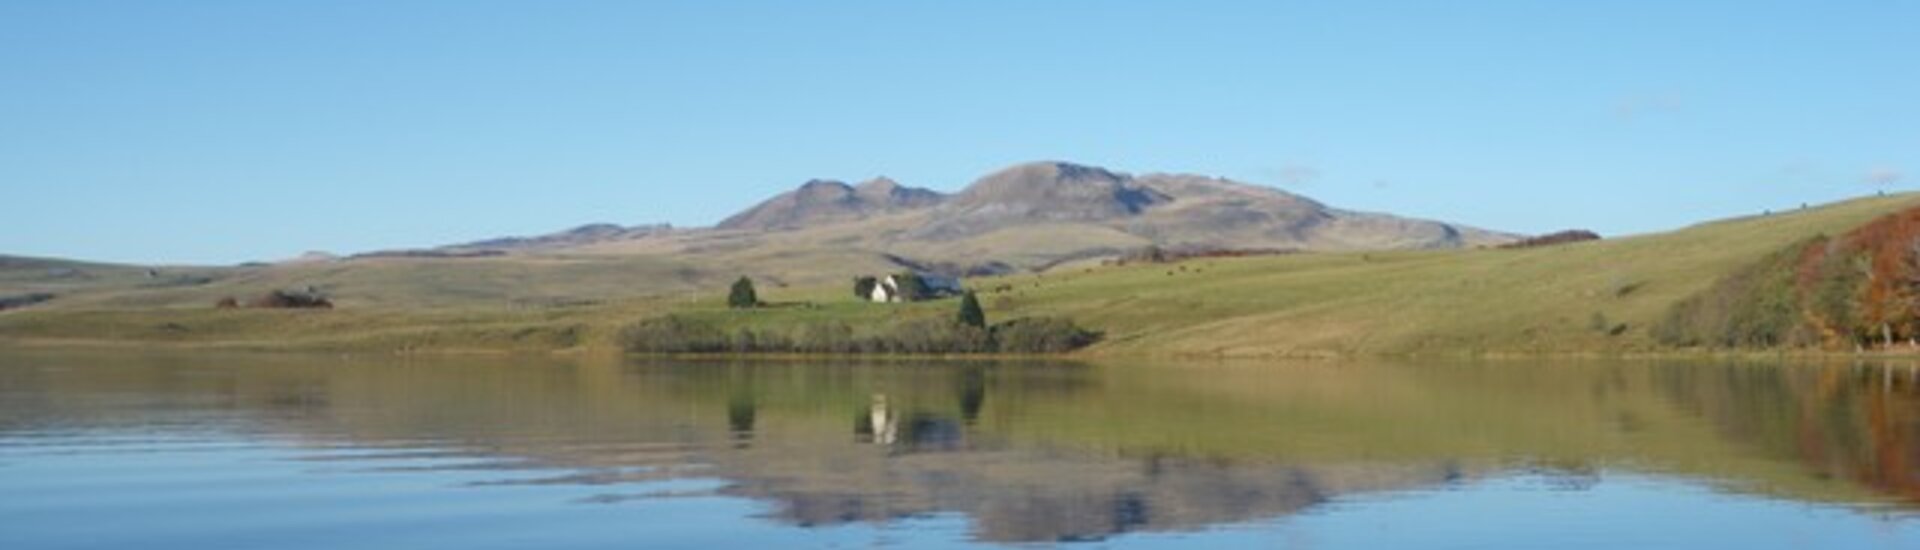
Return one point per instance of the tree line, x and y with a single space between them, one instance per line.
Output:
967 331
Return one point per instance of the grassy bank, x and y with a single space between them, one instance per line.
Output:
1591 297
1599 297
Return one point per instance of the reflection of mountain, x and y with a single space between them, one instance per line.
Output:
912 463
1027 452
1027 495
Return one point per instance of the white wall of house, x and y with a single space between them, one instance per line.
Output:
887 289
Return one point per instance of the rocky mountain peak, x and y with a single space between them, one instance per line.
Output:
1057 191
820 201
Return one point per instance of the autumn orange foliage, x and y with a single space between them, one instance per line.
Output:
1883 256
1860 289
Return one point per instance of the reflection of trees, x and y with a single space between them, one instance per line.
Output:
1029 453
740 416
1568 475
604 426
1856 422
973 393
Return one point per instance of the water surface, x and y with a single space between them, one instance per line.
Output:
118 450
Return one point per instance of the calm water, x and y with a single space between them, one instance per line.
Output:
234 451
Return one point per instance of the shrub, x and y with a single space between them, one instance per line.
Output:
23 300
922 336
1835 297
1041 335
1756 306
929 336
970 312
825 337
1550 239
674 334
742 295
912 288
292 300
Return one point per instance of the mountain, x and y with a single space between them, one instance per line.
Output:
819 202
1178 209
1028 217
1024 217
1040 192
310 257
1163 209
1055 191
578 236
589 234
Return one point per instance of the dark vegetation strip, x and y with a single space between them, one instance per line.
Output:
1550 239
23 300
684 334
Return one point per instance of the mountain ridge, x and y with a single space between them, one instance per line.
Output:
1029 217
1159 208
826 201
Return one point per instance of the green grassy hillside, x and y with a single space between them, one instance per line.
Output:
1593 297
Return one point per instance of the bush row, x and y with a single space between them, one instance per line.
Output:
680 334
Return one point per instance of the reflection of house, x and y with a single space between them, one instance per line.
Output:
894 288
885 425
911 432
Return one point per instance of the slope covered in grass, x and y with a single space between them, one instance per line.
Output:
1597 296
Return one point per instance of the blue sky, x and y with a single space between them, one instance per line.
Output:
230 131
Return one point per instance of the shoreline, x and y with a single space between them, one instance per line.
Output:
1084 356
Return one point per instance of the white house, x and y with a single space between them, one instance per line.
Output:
887 289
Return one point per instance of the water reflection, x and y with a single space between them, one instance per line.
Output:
1025 452
1858 423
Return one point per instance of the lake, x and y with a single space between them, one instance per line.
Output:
208 450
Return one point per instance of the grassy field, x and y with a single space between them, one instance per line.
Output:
1586 297
1595 297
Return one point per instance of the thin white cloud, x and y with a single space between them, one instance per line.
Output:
1884 175
1297 174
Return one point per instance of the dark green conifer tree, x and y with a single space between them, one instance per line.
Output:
970 312
742 295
